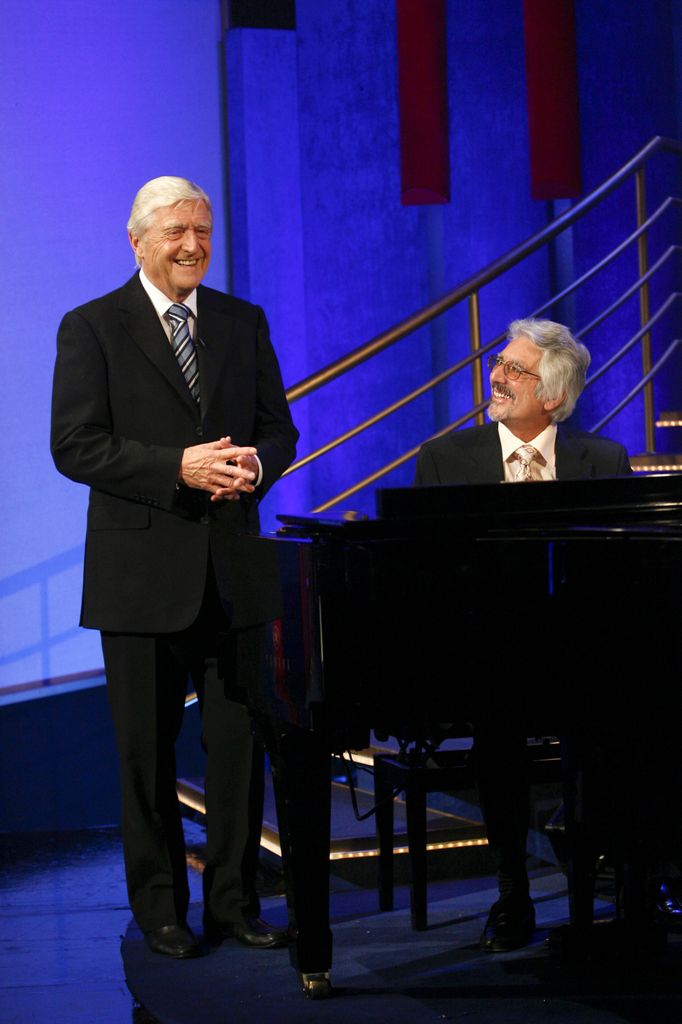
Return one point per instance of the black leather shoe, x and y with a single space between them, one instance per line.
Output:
510 925
175 940
251 931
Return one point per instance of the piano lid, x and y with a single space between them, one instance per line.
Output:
643 502
655 497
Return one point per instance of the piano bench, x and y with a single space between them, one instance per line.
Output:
450 770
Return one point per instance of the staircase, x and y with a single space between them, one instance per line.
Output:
455 839
661 462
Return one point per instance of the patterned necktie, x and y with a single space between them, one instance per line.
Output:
530 461
183 347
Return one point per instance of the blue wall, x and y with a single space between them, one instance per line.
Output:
91 98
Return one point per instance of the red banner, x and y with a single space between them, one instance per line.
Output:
423 102
552 82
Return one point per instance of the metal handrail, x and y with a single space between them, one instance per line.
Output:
660 363
644 329
470 288
473 284
629 292
607 260
479 352
377 474
398 404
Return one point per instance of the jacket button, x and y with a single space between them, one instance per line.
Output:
198 431
204 520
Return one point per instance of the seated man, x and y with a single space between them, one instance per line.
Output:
535 382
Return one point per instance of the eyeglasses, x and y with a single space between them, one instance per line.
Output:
511 370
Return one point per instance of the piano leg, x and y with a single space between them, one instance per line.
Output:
581 851
383 794
599 822
415 805
301 772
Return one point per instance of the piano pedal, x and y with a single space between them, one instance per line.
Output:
316 986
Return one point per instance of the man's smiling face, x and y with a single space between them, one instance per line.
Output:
175 249
514 402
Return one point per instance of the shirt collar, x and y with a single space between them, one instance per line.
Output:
544 442
161 302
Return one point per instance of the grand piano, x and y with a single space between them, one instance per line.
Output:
392 623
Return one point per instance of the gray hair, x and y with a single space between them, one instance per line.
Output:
563 363
158 192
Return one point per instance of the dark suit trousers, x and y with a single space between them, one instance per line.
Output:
146 682
501 770
500 765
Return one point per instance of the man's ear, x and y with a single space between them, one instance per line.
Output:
553 404
135 243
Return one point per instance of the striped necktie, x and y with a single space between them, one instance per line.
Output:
183 346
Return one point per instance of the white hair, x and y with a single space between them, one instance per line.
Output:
563 363
164 191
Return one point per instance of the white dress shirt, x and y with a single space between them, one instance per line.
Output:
162 304
544 443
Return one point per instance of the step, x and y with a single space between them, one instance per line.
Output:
656 463
457 845
456 837
669 419
456 841
350 838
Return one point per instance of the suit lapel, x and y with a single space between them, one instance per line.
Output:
572 457
487 456
139 320
214 333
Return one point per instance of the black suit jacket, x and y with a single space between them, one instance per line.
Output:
122 415
474 456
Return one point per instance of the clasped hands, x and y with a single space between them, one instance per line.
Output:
224 470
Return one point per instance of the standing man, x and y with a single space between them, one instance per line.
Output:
168 403
535 382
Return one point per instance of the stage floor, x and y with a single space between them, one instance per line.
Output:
68 945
